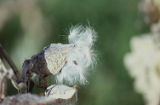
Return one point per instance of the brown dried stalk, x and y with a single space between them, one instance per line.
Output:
3 86
10 62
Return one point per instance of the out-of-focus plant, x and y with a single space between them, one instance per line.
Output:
33 24
143 62
151 9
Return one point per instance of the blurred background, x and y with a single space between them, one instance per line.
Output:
26 26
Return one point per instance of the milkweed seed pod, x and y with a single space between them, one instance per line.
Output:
48 62
60 90
69 62
65 94
55 56
59 95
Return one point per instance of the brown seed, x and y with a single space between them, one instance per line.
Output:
75 62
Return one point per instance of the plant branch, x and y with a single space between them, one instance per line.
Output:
10 62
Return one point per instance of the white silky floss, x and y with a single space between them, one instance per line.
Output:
80 58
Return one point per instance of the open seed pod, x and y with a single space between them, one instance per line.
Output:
62 94
55 95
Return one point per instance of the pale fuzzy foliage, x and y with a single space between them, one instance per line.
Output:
157 3
143 64
151 9
33 24
80 58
